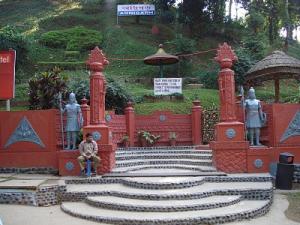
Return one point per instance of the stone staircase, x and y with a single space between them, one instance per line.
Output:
167 186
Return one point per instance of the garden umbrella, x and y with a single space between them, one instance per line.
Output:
161 58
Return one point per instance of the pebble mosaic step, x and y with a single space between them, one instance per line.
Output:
129 163
242 210
126 204
250 190
167 186
165 156
195 147
162 152
163 168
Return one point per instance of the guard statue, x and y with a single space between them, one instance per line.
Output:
255 118
74 121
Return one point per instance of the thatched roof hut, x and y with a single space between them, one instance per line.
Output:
276 66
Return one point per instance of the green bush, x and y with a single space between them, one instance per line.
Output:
116 96
73 39
243 64
10 37
92 6
209 78
44 89
71 19
45 66
72 55
183 45
80 87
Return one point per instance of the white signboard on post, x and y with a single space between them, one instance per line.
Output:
167 86
136 10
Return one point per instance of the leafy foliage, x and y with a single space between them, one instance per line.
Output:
183 45
116 97
147 137
244 63
10 37
73 39
44 89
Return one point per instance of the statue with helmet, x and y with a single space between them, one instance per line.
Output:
255 118
74 121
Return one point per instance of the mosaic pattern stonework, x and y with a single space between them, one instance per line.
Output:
24 132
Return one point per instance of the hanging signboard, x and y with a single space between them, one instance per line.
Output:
7 74
167 86
136 10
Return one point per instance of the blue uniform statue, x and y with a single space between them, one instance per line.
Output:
254 117
74 121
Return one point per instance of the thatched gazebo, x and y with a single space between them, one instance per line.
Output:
276 66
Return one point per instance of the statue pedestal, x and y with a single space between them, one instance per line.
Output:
106 149
230 147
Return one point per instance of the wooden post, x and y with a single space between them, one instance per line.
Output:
276 90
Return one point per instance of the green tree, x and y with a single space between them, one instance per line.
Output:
10 37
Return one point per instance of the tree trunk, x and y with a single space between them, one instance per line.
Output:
229 9
289 33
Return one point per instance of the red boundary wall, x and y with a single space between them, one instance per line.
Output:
24 153
46 124
279 119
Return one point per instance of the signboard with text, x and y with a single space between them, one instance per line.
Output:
136 10
7 74
167 86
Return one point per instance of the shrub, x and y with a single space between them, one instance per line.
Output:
243 64
209 78
184 45
71 19
45 66
72 55
10 37
116 97
73 39
44 89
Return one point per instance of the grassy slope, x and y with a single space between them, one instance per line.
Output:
130 40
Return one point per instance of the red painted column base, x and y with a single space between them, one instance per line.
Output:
230 157
107 156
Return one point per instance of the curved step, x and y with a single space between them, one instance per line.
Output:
250 190
130 163
164 182
163 168
164 156
165 151
126 204
243 210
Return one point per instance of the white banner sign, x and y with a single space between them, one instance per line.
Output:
136 10
167 86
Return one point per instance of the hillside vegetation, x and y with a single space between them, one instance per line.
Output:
62 32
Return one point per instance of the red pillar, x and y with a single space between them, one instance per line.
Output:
196 123
130 123
229 147
101 132
85 109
